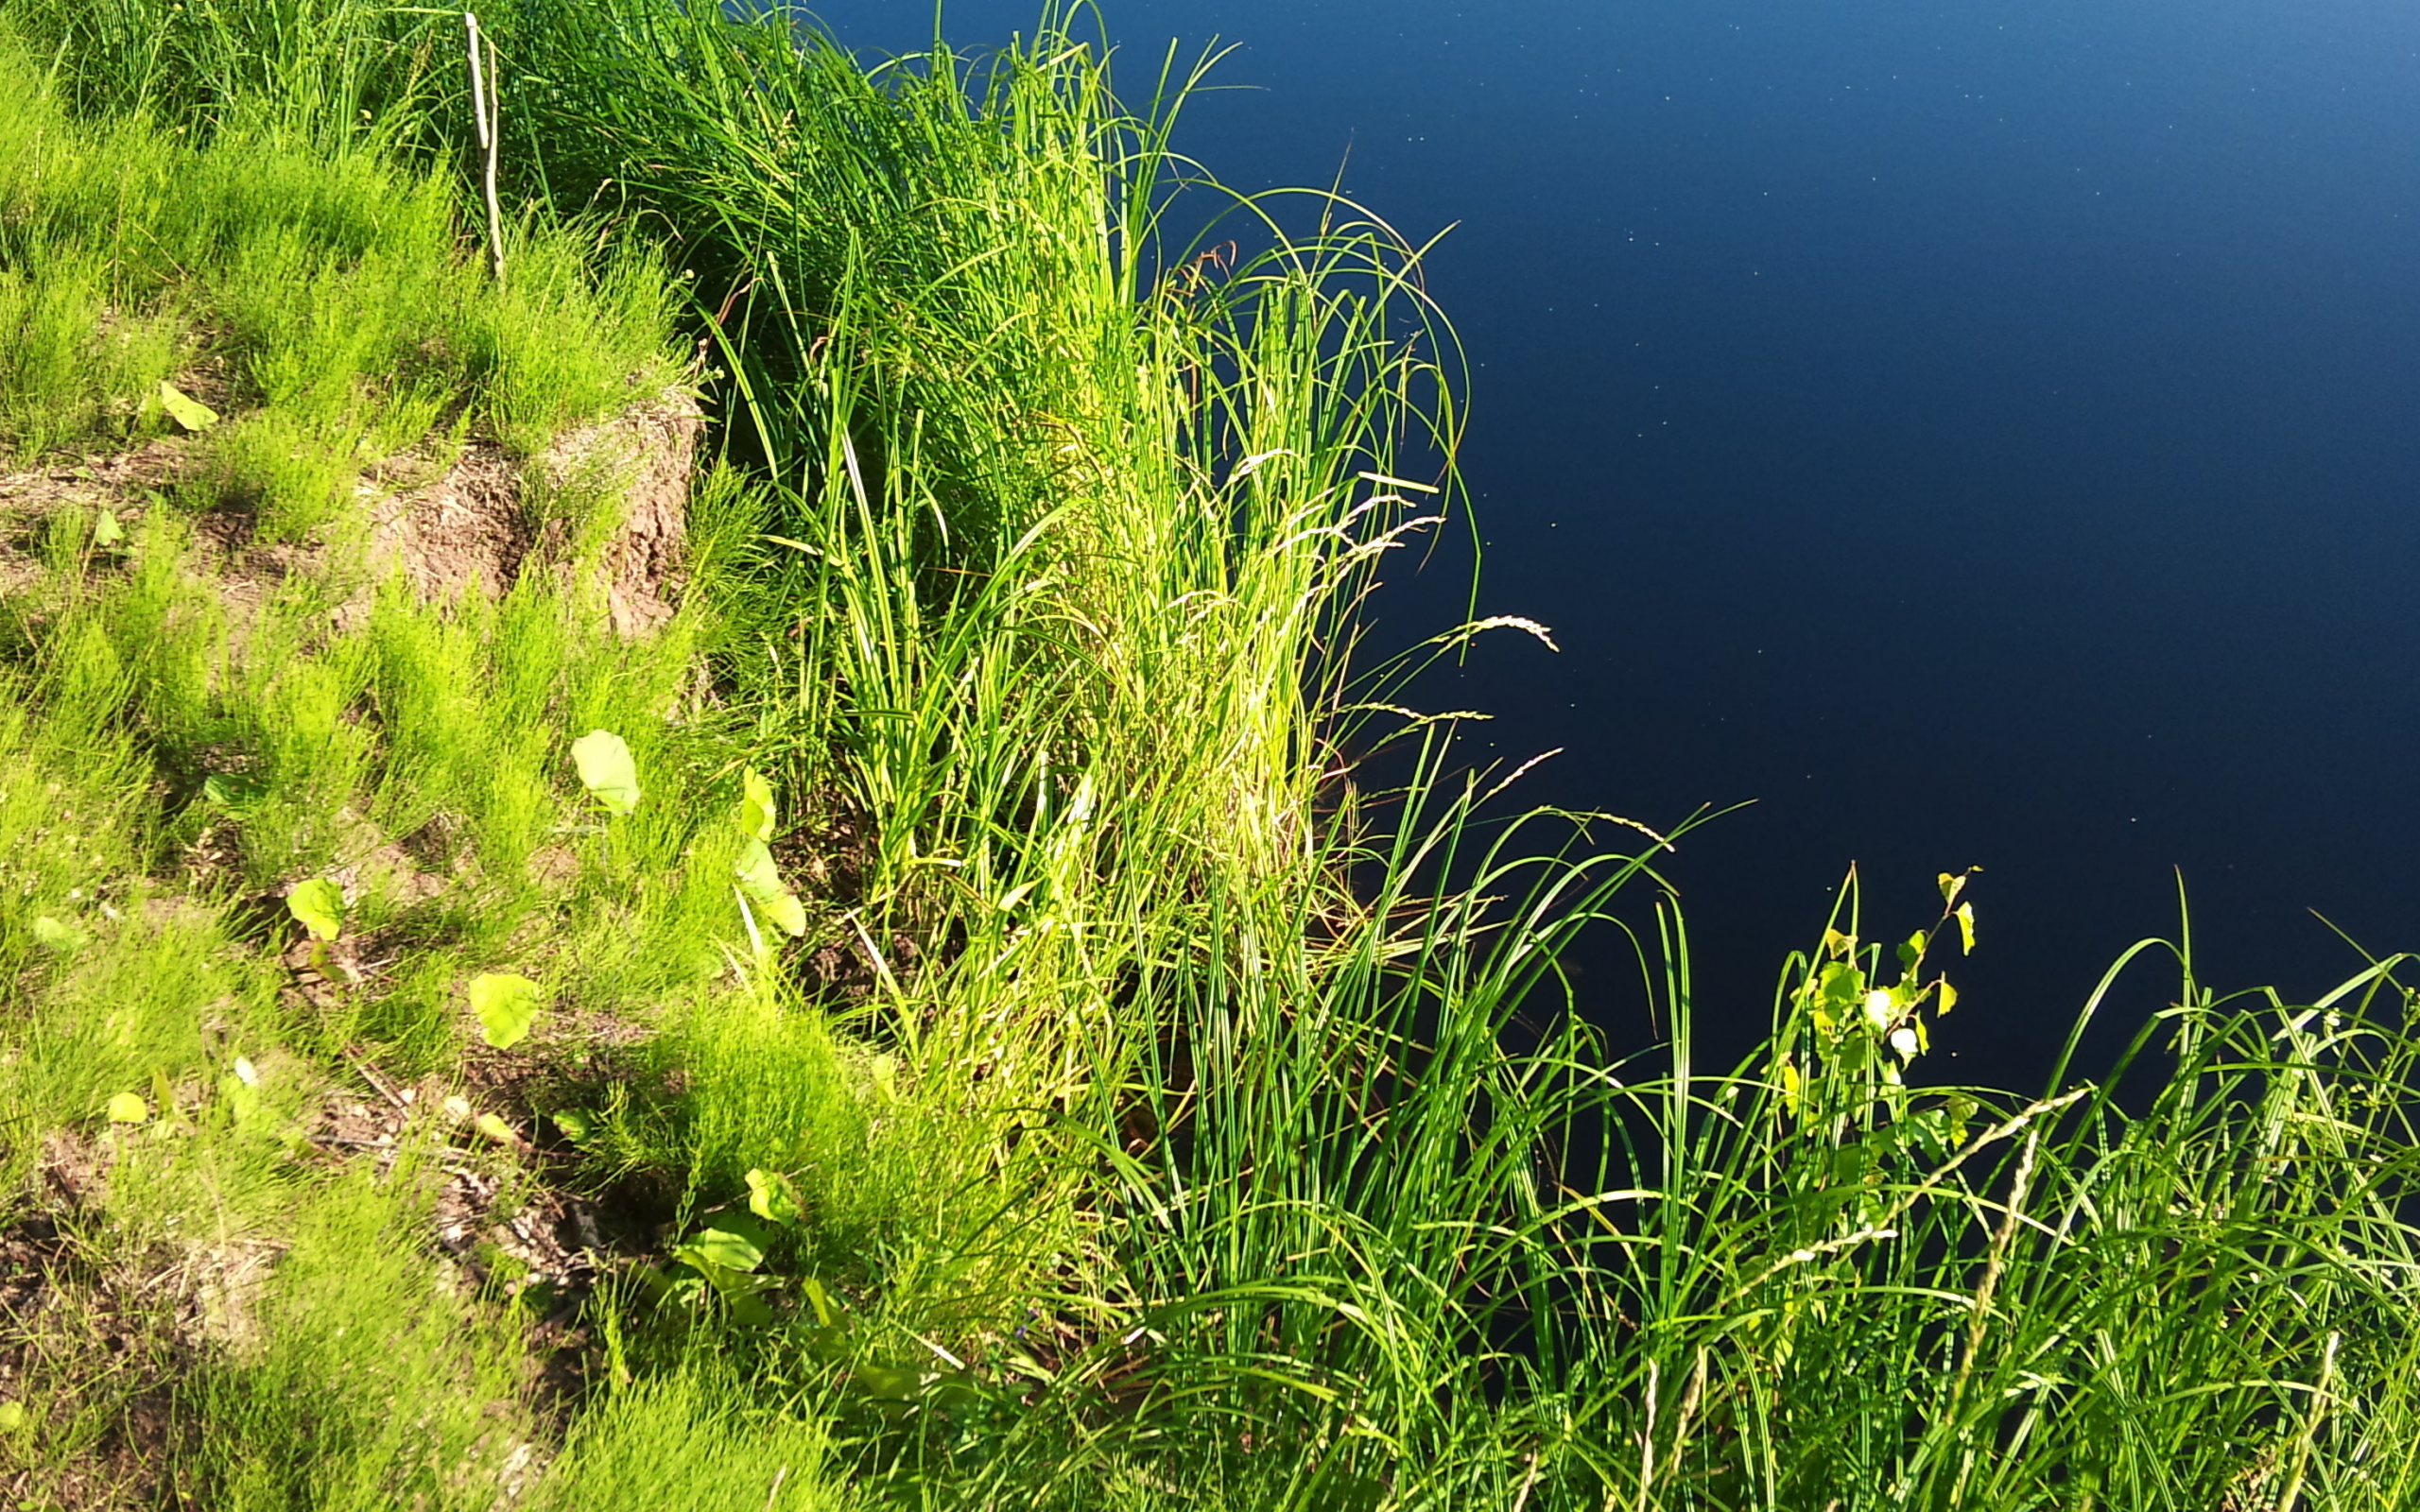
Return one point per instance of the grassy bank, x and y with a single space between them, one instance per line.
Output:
865 980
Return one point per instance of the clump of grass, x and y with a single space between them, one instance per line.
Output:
693 1428
329 294
1069 606
352 1323
1131 1120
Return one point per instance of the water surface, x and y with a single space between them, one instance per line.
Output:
1980 434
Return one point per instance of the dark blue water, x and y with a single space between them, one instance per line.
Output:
1982 434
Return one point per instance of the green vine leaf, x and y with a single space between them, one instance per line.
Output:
756 811
53 935
761 880
607 771
318 905
188 412
506 1006
772 1196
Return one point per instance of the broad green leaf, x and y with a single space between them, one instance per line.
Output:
184 409
722 1247
1962 1111
318 905
496 1128
129 1107
1966 927
756 871
773 1197
787 911
13 1417
889 1382
762 882
606 770
825 1314
1841 984
106 530
1948 998
574 1124
229 791
756 812
56 935
243 1099
506 1006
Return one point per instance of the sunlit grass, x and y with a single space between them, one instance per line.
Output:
1169 1125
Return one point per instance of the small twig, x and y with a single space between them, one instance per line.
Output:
2000 1240
350 1142
1528 1481
1647 1437
487 112
2318 1413
377 1083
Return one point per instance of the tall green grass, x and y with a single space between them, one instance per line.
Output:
322 292
1176 1125
1080 529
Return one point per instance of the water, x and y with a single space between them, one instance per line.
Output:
1982 434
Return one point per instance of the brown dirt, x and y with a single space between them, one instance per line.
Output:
126 482
99 1342
445 524
651 449
474 524
95 1344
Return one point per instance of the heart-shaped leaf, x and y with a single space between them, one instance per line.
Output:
506 1006
606 770
756 871
242 1098
127 1108
756 812
56 935
318 905
785 910
722 1249
762 882
772 1196
184 409
231 791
